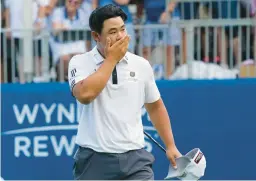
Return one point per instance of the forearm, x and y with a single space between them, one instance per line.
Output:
50 7
160 119
40 21
42 12
171 6
58 27
92 86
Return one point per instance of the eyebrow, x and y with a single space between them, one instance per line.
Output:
116 28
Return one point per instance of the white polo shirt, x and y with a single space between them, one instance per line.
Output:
112 122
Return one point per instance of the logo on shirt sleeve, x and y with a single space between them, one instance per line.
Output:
73 72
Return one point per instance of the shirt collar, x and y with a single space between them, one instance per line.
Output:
99 58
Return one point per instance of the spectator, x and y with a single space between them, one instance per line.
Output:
225 9
123 4
87 7
188 11
49 12
65 18
157 12
15 21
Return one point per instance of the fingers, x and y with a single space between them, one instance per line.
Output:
126 41
122 41
122 44
108 42
172 154
173 162
125 46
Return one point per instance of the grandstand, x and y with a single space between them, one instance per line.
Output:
214 36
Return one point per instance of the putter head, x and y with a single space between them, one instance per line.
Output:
189 167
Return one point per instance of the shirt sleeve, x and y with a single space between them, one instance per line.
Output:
79 69
152 93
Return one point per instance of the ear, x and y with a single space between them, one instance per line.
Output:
96 36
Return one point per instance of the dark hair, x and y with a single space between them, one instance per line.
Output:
99 15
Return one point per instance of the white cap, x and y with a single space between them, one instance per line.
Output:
189 167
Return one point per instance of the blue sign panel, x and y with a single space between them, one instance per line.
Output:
39 127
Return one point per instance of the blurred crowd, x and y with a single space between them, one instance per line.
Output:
69 34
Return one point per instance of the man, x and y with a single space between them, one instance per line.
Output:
157 12
68 17
188 11
111 85
15 21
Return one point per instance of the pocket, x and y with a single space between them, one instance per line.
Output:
82 161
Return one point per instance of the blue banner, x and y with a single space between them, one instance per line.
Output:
39 127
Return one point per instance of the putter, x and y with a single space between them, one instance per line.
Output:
152 139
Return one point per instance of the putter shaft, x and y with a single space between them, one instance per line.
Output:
152 139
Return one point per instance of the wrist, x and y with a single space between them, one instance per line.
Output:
40 21
170 146
111 61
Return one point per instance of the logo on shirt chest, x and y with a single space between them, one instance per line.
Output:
132 74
